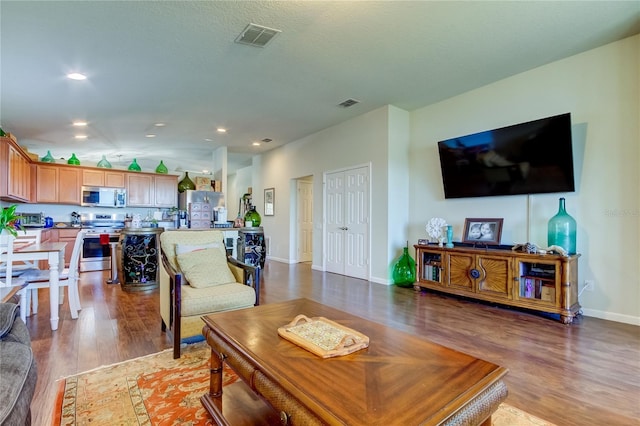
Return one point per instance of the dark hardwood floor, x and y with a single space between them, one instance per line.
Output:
587 373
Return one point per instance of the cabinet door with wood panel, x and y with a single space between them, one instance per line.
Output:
69 186
166 191
113 179
46 183
15 173
92 177
140 190
99 177
56 184
480 273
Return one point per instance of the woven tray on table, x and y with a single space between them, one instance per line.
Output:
323 337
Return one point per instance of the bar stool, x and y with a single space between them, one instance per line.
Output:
106 240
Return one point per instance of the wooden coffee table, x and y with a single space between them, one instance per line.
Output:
399 379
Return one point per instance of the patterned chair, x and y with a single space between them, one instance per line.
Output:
198 279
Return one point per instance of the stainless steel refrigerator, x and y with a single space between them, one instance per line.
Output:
201 207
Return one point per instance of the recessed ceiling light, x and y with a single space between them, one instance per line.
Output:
149 135
256 144
221 130
80 123
159 124
208 140
81 136
76 76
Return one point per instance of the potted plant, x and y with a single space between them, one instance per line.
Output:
10 221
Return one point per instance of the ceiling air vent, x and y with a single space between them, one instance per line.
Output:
348 103
257 35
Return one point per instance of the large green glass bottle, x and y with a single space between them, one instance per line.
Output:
404 270
186 183
73 160
48 158
253 216
562 229
104 163
134 166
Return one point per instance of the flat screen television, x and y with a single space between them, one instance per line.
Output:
528 158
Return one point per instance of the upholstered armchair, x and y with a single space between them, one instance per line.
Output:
197 279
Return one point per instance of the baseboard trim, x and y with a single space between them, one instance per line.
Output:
611 316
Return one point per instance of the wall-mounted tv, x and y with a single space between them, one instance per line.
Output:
528 158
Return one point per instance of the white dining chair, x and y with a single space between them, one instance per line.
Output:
69 278
8 280
23 238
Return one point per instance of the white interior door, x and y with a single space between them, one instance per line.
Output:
305 221
347 222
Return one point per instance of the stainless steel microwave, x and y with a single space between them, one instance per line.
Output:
103 197
31 220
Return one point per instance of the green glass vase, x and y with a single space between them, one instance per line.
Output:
134 167
162 168
562 229
253 216
73 160
404 270
48 158
104 163
186 183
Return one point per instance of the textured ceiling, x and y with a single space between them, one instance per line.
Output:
176 62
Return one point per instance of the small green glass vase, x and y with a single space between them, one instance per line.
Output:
186 183
104 163
134 167
73 160
562 229
48 158
404 270
162 168
253 216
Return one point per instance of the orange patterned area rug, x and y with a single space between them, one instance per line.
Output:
159 390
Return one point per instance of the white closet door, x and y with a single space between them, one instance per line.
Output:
347 222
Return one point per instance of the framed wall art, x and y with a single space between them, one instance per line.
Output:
482 230
269 201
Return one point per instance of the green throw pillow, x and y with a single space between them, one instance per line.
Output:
205 268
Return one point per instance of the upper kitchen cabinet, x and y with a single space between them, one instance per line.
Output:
100 177
166 191
57 184
148 190
15 172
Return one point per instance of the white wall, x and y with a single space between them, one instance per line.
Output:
601 90
360 141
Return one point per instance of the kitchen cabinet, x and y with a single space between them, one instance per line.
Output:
15 172
67 235
101 177
139 190
57 184
546 283
147 190
166 191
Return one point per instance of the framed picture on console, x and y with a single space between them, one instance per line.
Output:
482 230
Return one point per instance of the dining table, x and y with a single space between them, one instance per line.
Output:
53 253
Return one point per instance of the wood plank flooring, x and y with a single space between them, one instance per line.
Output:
587 373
